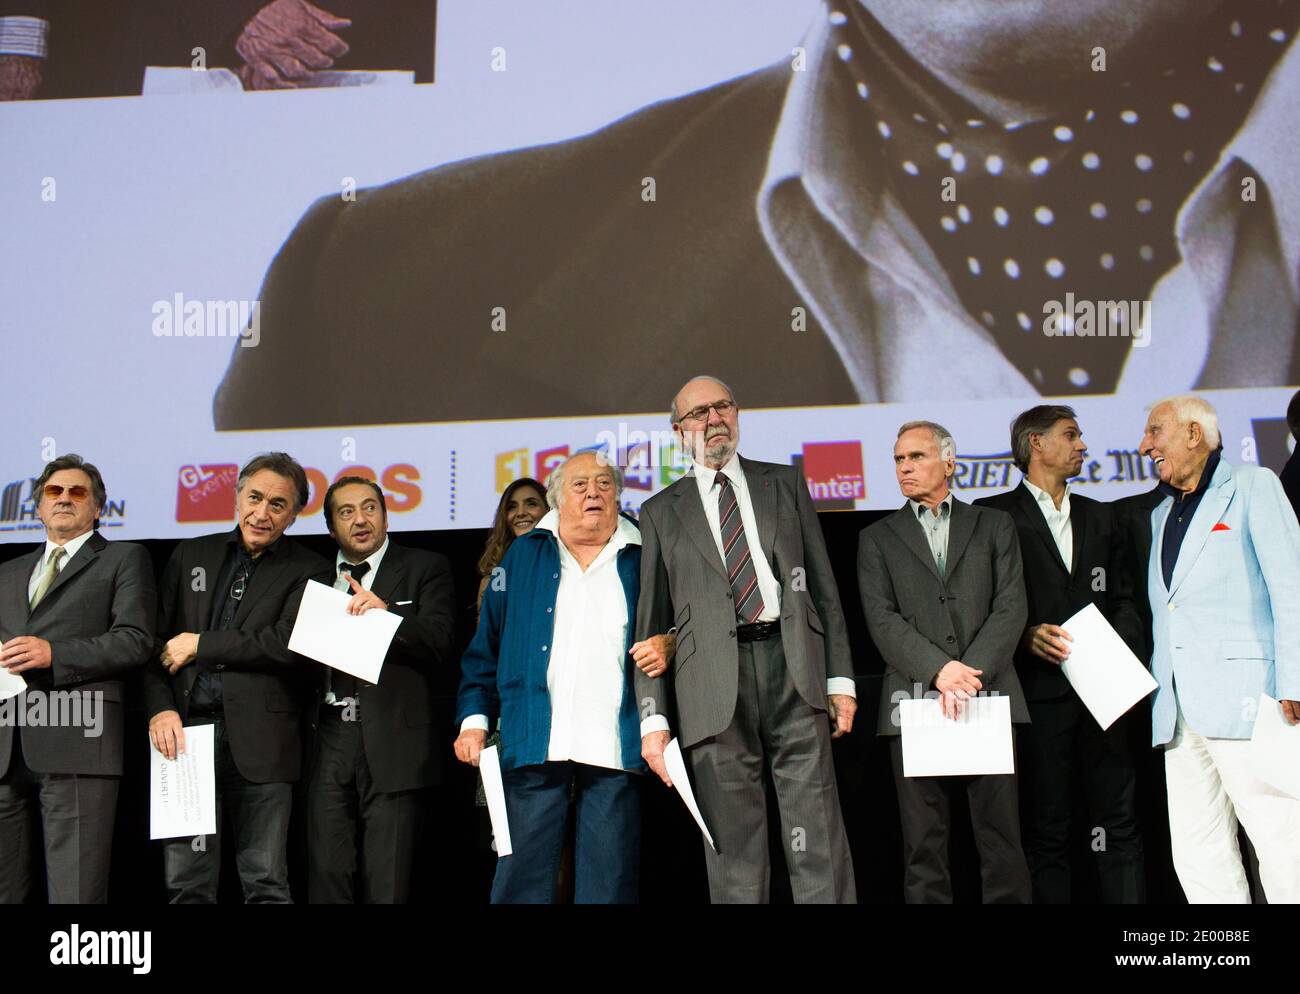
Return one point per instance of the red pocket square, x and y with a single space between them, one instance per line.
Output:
1220 527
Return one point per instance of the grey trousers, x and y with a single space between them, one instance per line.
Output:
774 727
73 814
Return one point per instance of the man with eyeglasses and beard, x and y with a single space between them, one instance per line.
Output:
77 613
734 561
228 604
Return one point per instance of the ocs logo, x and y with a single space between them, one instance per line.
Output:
399 482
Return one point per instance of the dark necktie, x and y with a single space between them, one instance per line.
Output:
735 552
345 684
358 570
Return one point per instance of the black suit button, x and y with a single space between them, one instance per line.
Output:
951 638
731 634
187 693
942 599
728 595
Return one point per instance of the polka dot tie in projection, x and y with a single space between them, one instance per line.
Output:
1083 203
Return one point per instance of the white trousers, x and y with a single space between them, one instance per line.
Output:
1211 785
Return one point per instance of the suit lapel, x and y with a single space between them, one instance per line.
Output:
389 575
1078 534
1028 508
15 606
960 528
1155 556
762 495
689 509
1214 502
84 557
911 531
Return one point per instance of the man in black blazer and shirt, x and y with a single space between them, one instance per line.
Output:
374 751
76 616
228 604
1072 556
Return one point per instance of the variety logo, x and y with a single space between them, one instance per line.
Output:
400 483
206 492
833 471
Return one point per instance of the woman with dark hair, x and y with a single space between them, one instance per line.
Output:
521 507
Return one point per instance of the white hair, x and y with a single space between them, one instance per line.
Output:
942 437
1189 408
555 482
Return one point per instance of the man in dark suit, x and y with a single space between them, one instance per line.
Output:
1072 557
1290 474
734 561
374 751
944 598
75 617
228 604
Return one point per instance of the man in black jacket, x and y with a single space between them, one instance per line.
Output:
374 750
1072 557
228 604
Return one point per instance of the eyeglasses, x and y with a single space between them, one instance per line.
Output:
78 493
698 415
237 587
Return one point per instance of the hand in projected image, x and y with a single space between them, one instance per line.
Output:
20 77
287 41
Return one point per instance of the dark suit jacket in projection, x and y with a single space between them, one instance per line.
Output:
1054 592
921 621
397 714
560 237
265 686
98 617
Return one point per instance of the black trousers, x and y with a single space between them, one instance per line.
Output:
924 806
72 814
259 814
1062 741
360 841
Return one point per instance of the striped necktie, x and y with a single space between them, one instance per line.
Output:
47 578
735 552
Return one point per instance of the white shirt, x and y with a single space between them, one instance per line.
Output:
768 587
866 271
586 674
72 547
1058 521
341 583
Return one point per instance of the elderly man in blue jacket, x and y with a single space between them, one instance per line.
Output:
551 659
1224 582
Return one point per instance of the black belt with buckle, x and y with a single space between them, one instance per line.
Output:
759 631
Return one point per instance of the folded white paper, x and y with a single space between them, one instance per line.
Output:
977 742
489 766
1102 669
1275 748
353 643
183 797
11 684
676 764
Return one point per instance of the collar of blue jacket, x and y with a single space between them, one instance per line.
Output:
503 672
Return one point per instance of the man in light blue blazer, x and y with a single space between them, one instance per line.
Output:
1224 583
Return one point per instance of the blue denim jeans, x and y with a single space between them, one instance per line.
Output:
607 850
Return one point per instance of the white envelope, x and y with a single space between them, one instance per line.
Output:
183 791
1275 748
353 643
1102 669
978 742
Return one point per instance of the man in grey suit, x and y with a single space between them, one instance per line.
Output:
75 616
733 560
943 594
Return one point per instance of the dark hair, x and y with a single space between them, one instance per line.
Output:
283 464
72 461
1293 416
1035 421
502 534
344 481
